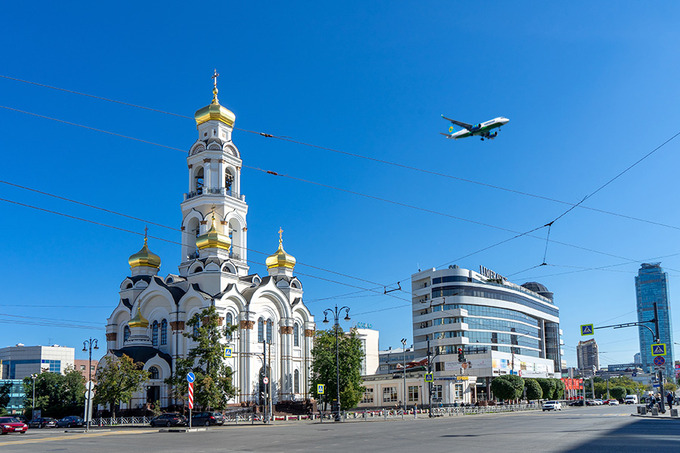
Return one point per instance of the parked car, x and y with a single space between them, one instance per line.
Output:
598 402
169 419
613 402
207 418
576 403
43 422
552 406
12 425
72 421
631 399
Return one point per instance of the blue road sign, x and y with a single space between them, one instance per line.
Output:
428 377
658 349
190 377
227 353
587 329
320 389
659 361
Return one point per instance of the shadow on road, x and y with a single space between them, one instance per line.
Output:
638 435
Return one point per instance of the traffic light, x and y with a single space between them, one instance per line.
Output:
461 355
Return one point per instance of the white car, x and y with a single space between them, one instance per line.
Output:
552 406
613 402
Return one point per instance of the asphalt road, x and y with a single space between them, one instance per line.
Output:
581 429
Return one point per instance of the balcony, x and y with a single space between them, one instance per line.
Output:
214 191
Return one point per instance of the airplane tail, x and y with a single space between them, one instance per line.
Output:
446 135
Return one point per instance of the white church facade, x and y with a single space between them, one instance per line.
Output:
151 317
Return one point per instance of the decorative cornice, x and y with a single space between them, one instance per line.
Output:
287 329
111 336
177 325
247 325
309 332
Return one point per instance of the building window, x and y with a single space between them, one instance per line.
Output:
269 331
195 332
413 393
437 393
164 332
229 322
82 367
126 333
390 395
260 330
458 391
296 381
154 373
296 335
368 395
154 334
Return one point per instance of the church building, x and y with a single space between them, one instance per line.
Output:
153 311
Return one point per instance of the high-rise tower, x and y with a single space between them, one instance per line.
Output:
651 285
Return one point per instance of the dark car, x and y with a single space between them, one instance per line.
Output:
44 422
169 419
576 403
72 421
207 418
12 425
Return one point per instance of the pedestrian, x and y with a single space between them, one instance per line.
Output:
669 400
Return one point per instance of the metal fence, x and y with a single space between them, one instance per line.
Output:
119 421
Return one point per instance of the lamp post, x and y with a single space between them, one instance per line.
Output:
265 341
33 376
403 342
88 345
336 314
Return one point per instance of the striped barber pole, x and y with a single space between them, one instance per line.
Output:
191 395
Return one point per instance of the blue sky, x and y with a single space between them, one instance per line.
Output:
589 89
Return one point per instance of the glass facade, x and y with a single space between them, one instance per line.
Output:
651 286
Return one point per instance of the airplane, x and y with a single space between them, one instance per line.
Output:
481 129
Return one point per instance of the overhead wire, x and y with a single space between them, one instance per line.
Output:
359 156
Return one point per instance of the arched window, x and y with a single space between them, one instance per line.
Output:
154 373
126 333
229 323
154 334
296 381
199 181
164 332
260 330
269 331
228 181
195 331
296 335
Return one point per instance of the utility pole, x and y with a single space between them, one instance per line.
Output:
90 343
403 342
266 375
429 384
662 403
336 314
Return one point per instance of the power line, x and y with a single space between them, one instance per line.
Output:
382 161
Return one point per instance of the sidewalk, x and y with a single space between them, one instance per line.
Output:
666 415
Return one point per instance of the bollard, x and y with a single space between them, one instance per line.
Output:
674 412
655 411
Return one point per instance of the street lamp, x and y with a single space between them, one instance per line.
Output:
336 314
267 397
33 376
89 344
403 342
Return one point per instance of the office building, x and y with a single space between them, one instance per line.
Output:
21 361
15 405
587 357
651 286
81 366
502 327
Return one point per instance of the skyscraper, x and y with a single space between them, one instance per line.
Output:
651 285
587 357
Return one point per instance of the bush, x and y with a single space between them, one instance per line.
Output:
548 387
618 392
507 387
534 390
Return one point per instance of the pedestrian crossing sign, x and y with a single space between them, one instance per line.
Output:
587 329
227 353
658 349
428 377
320 389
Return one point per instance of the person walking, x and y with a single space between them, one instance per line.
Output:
669 400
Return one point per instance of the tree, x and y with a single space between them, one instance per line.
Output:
507 387
57 395
548 386
213 385
117 380
534 390
5 389
617 392
323 367
558 394
670 387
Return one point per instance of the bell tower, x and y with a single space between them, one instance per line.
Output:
214 170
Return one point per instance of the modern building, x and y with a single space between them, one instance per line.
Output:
637 358
392 360
587 357
369 344
16 395
21 361
501 327
651 286
150 320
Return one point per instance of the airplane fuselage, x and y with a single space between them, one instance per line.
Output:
482 129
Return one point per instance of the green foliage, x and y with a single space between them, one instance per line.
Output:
4 394
548 386
670 387
213 385
56 395
117 380
617 392
156 410
558 394
534 390
324 372
507 387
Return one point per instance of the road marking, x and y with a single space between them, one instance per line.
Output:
74 436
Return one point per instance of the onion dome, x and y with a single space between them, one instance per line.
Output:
280 258
213 239
139 320
215 111
145 257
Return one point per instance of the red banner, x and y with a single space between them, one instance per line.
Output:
191 395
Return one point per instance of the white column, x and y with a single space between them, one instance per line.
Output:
191 178
207 177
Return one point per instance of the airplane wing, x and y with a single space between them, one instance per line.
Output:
459 123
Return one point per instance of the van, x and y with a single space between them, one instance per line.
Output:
631 399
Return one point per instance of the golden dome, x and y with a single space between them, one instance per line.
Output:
139 320
280 258
213 239
145 257
215 111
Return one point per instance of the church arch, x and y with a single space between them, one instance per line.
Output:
230 181
229 268
126 333
198 181
154 372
